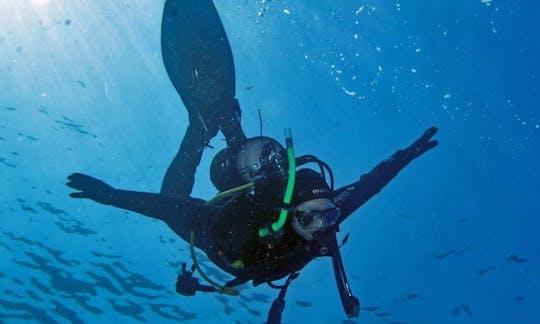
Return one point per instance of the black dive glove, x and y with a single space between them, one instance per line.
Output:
90 188
423 144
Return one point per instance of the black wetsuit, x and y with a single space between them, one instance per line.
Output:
226 230
199 62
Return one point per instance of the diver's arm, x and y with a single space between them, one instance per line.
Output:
351 197
149 204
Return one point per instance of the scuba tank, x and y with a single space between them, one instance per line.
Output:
257 158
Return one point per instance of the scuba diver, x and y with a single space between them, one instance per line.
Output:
273 214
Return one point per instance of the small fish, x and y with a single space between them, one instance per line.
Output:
370 308
81 83
412 296
382 314
303 303
483 271
516 259
444 255
460 308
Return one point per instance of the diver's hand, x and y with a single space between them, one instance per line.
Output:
90 188
423 144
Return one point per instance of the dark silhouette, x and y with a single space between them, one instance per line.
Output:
240 229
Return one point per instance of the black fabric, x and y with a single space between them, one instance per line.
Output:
291 254
198 60
309 185
234 230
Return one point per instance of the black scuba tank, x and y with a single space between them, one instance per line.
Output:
259 157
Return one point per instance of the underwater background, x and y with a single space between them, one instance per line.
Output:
454 238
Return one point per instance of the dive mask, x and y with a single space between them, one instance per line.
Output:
313 216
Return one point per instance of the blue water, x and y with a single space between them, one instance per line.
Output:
454 238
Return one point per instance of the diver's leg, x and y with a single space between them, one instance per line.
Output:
199 61
229 124
180 176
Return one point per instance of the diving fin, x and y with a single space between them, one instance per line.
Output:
198 59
